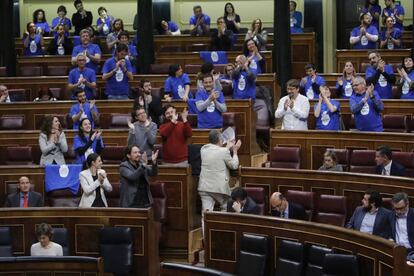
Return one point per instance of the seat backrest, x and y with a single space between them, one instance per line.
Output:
56 70
331 209
227 90
30 71
159 68
63 198
197 48
291 259
362 161
340 264
192 68
258 195
18 95
5 242
112 197
12 122
342 156
315 258
61 236
56 93
229 120
19 156
285 157
303 198
116 248
387 203
407 160
159 196
395 123
119 120
363 66
3 71
193 120
253 256
113 154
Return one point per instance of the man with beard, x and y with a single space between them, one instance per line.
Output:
90 50
402 221
151 102
174 137
81 19
364 36
84 109
371 217
380 74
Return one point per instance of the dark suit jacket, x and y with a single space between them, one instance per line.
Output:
35 200
296 211
249 208
396 169
410 225
382 225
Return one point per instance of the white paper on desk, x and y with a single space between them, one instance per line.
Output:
228 135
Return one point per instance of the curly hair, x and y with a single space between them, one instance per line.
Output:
46 127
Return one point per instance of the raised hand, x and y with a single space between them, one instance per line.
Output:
184 114
340 81
237 145
130 124
144 157
154 156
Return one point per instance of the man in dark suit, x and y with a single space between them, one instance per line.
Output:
24 197
284 209
402 221
241 203
385 164
150 101
371 217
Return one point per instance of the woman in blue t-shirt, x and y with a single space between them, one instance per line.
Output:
406 81
177 84
39 19
87 141
344 83
104 22
61 19
327 111
32 42
257 62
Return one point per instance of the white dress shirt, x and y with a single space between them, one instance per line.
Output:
401 233
387 169
294 118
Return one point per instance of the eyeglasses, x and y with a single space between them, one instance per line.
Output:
139 114
356 84
401 208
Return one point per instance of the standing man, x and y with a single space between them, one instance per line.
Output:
117 72
174 136
364 36
295 19
311 83
84 109
244 80
216 161
385 164
151 102
293 109
24 198
371 217
221 40
402 221
199 22
90 50
81 19
82 78
366 105
380 74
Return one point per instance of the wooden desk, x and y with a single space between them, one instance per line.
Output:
313 143
376 256
83 226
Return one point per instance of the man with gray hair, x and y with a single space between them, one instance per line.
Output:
216 161
4 94
402 221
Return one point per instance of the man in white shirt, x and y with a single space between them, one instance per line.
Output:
402 221
4 94
385 164
293 108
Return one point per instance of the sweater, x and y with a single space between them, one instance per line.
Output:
174 139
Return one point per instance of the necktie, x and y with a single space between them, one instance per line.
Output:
25 201
384 171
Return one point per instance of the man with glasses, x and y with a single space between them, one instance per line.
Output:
284 209
366 105
221 40
402 221
82 78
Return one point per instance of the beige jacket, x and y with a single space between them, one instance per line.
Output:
89 186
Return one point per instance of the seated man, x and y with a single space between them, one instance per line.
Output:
371 217
380 74
311 83
174 137
244 80
221 40
385 164
4 94
117 72
91 51
293 109
199 22
364 36
84 109
82 78
284 209
366 106
402 221
210 105
24 198
241 203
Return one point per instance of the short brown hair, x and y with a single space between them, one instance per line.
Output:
44 229
293 83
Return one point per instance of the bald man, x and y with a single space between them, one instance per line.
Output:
24 198
284 209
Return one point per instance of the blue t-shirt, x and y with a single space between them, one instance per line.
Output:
364 43
383 87
117 85
374 9
406 93
44 26
395 34
193 19
79 143
87 113
368 118
328 120
215 57
88 74
243 88
92 50
210 117
34 48
176 86
172 26
346 90
66 22
254 66
399 11
296 23
309 91
105 29
133 51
